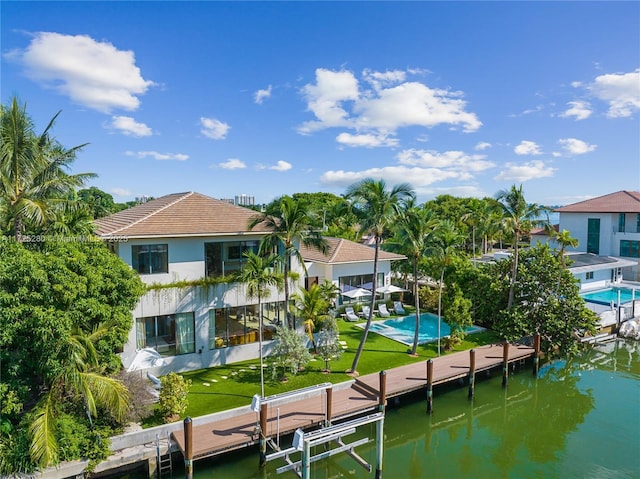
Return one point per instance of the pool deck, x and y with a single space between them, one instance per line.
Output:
355 398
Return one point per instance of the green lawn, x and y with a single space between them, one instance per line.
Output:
227 387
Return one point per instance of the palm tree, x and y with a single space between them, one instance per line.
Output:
33 171
290 225
330 292
376 208
313 308
564 239
77 377
519 219
412 236
259 275
443 247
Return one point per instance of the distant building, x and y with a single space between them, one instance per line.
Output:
244 200
231 201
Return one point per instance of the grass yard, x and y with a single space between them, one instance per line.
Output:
226 387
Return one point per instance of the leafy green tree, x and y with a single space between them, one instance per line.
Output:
376 208
290 225
547 301
564 240
33 171
519 219
98 202
259 275
313 308
173 396
329 347
412 234
329 292
290 353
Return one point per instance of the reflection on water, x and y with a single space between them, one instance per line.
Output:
578 419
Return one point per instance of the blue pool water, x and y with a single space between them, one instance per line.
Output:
402 329
605 296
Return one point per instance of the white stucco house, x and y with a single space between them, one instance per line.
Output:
608 232
182 245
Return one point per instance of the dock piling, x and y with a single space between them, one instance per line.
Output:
263 434
382 399
329 408
429 386
505 363
536 353
472 372
188 448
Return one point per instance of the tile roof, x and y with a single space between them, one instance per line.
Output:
341 250
178 214
618 202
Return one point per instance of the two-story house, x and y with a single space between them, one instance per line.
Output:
184 245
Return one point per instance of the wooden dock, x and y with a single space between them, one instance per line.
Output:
363 396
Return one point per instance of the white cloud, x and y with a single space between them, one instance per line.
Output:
527 148
158 156
366 140
91 73
580 110
120 192
524 172
128 126
391 174
338 101
620 90
214 129
261 95
574 146
281 165
453 160
232 164
483 145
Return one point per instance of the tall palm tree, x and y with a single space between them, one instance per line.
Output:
312 307
519 219
377 208
413 232
291 225
259 275
444 246
33 170
77 377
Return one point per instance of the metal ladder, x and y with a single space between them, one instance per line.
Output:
165 464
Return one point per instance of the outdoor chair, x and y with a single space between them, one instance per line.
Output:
350 314
398 308
383 311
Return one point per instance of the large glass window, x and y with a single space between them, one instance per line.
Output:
638 223
621 222
169 334
630 249
364 281
238 325
593 235
150 258
227 257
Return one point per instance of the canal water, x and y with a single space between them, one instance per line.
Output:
578 419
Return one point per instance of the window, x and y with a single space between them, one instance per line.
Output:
621 222
170 334
150 259
593 235
364 281
227 257
238 325
589 275
630 249
638 223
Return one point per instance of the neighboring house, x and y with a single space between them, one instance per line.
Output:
183 245
608 232
347 264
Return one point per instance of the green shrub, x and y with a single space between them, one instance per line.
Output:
173 396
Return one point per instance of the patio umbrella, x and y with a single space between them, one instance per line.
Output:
388 289
146 358
356 293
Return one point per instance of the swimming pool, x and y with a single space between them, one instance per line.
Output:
605 296
402 329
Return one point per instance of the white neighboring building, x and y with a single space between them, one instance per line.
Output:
607 227
182 238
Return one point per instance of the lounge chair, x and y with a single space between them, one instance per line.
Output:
350 315
365 311
398 308
383 311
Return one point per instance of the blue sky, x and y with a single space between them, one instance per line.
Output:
272 98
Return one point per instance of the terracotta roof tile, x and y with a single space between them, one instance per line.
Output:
618 202
344 251
178 214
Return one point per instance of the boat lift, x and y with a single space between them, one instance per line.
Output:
304 441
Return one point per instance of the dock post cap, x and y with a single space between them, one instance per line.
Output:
255 403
